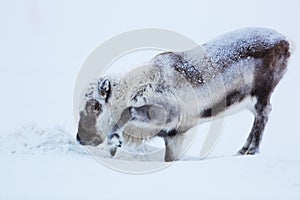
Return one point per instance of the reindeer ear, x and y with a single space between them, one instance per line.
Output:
104 88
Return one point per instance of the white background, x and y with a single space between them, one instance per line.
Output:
44 43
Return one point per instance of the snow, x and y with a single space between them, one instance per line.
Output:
61 169
240 41
43 45
31 139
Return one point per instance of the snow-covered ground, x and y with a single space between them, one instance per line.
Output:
48 164
43 45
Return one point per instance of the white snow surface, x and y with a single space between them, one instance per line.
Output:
43 45
48 164
33 140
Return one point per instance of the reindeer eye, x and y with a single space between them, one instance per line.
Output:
93 106
96 107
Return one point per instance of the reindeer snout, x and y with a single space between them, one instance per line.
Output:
79 140
94 141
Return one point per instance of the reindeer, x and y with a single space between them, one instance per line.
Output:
176 91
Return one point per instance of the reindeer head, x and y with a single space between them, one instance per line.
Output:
90 131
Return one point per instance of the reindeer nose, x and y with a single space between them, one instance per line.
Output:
79 140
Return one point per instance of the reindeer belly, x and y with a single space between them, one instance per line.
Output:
230 90
231 104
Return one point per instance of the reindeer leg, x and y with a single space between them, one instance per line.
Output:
115 137
148 116
174 146
260 122
251 146
246 146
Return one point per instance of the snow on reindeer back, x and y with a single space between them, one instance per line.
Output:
201 64
235 45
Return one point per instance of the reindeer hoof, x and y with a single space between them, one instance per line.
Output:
242 151
114 141
113 151
247 151
252 151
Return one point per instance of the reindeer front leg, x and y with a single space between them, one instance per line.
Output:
154 117
115 137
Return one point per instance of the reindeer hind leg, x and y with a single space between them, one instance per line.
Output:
266 81
251 147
